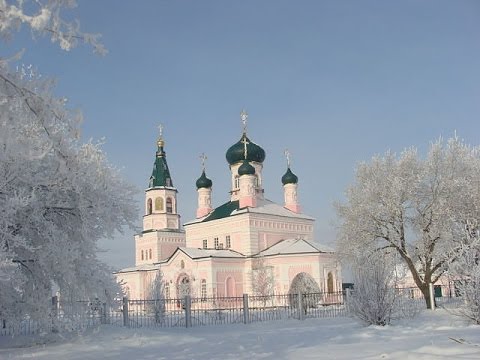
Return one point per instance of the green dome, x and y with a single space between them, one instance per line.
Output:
236 152
289 178
246 169
203 181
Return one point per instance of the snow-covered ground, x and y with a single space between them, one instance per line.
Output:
427 337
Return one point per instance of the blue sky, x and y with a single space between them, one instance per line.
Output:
336 82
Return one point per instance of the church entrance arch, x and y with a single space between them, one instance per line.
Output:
330 283
305 286
183 288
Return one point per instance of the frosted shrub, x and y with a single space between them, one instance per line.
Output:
156 298
373 299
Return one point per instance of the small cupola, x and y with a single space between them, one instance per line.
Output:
289 177
203 181
246 169
204 190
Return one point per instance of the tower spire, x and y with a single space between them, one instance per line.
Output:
160 141
161 173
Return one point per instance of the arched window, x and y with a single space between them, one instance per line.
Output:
237 182
169 205
142 254
330 283
149 206
159 204
182 264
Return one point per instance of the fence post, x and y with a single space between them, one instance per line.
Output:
432 296
246 315
103 319
300 306
125 311
188 311
54 306
346 301
54 313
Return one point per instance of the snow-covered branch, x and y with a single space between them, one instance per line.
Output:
46 19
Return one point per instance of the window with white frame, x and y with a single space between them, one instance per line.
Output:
205 244
227 242
215 242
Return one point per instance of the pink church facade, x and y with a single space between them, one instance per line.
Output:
214 255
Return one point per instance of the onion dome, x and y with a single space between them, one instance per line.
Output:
246 169
289 177
203 181
236 152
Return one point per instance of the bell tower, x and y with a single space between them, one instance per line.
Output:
161 195
162 232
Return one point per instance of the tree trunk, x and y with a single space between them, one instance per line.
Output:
426 294
421 284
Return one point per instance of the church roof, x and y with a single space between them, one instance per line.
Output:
196 253
143 267
294 246
264 206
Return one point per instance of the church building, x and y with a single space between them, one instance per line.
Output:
218 252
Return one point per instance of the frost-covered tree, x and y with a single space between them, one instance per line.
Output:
58 196
45 18
466 272
156 297
263 280
374 296
414 207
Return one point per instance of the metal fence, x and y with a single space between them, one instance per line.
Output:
191 311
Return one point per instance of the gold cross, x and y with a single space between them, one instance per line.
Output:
287 155
244 117
245 142
203 158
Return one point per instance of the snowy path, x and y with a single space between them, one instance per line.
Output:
425 338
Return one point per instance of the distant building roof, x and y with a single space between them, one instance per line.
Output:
294 246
